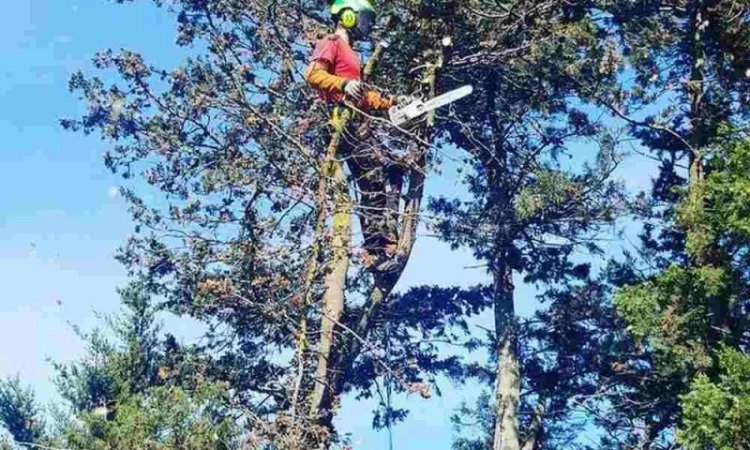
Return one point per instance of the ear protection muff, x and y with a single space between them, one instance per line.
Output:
348 18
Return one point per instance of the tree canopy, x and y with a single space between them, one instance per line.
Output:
253 215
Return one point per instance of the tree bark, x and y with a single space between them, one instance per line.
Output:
508 376
383 285
324 392
532 435
697 137
508 383
334 285
327 171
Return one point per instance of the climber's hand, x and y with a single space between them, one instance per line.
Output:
354 89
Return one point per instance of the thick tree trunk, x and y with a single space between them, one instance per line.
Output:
383 285
327 171
508 383
324 394
334 289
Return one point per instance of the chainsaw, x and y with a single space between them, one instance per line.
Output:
402 114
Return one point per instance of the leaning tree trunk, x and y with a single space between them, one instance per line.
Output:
508 383
334 285
323 396
384 283
335 367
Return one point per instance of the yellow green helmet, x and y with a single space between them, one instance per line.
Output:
356 5
355 15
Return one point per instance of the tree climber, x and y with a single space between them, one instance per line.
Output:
335 72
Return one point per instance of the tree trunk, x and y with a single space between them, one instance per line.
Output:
324 392
697 246
383 285
326 169
334 286
508 383
535 429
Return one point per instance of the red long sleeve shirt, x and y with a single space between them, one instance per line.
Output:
343 65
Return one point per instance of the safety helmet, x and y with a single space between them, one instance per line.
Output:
357 16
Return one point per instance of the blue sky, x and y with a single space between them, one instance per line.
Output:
60 223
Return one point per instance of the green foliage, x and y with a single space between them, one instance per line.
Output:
716 415
685 315
121 360
135 388
551 190
88 383
716 410
161 418
671 313
727 190
20 414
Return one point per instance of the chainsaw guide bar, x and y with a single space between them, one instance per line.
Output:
402 114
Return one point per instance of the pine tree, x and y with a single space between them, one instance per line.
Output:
20 413
683 299
135 387
252 231
530 211
121 360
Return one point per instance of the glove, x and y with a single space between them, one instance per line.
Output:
374 101
353 89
